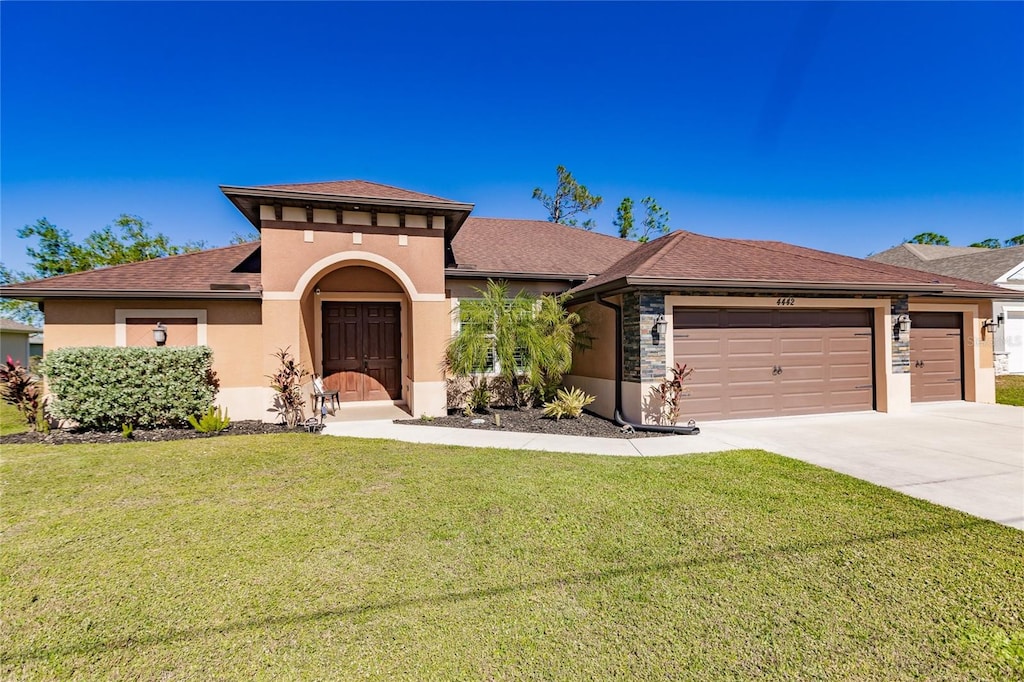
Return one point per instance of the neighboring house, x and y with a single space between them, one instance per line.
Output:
14 340
35 345
1002 267
360 281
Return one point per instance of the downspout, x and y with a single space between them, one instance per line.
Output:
689 430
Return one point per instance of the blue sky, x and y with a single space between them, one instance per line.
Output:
845 127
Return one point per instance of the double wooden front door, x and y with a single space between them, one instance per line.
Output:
362 350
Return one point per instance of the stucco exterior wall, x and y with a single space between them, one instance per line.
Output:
599 360
467 288
287 254
232 329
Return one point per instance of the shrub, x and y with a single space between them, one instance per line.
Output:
102 388
212 421
20 388
671 393
287 383
567 403
479 397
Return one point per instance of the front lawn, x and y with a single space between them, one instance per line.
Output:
11 420
312 557
1010 389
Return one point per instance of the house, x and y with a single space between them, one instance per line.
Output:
14 340
360 281
1002 267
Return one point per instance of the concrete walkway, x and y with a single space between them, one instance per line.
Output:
962 455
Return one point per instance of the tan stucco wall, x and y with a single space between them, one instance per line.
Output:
467 288
358 278
287 256
599 360
233 330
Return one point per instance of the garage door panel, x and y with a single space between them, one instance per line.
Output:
823 369
802 345
936 357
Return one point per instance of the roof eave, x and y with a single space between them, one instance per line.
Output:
502 274
773 285
460 209
25 294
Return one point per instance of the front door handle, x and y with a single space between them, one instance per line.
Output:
366 363
776 370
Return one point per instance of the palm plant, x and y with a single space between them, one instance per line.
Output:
522 339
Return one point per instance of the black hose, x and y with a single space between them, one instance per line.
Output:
689 430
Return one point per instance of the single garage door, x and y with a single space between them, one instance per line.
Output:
936 357
769 362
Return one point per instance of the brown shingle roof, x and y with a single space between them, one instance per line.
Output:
976 264
686 257
355 188
504 246
229 271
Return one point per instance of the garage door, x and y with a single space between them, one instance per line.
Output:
936 357
767 362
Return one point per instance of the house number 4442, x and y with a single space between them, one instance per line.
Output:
786 301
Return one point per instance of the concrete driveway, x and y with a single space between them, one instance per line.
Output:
967 456
962 455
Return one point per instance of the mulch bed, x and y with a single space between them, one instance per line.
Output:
64 437
532 420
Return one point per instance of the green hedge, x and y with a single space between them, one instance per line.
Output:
102 388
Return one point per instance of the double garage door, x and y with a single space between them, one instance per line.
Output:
772 362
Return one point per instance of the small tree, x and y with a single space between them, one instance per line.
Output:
287 383
526 341
655 220
569 200
554 335
624 219
492 332
654 223
20 388
986 244
929 238
1017 240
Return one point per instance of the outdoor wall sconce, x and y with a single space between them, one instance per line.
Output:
317 291
658 329
160 334
902 326
990 326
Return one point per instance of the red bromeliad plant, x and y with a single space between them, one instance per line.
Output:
20 388
671 393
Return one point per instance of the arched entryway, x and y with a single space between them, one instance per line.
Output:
359 314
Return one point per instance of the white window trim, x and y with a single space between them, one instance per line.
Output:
121 316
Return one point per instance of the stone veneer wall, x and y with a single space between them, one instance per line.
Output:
643 359
901 345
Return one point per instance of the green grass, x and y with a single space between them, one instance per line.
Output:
312 557
1010 390
11 420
